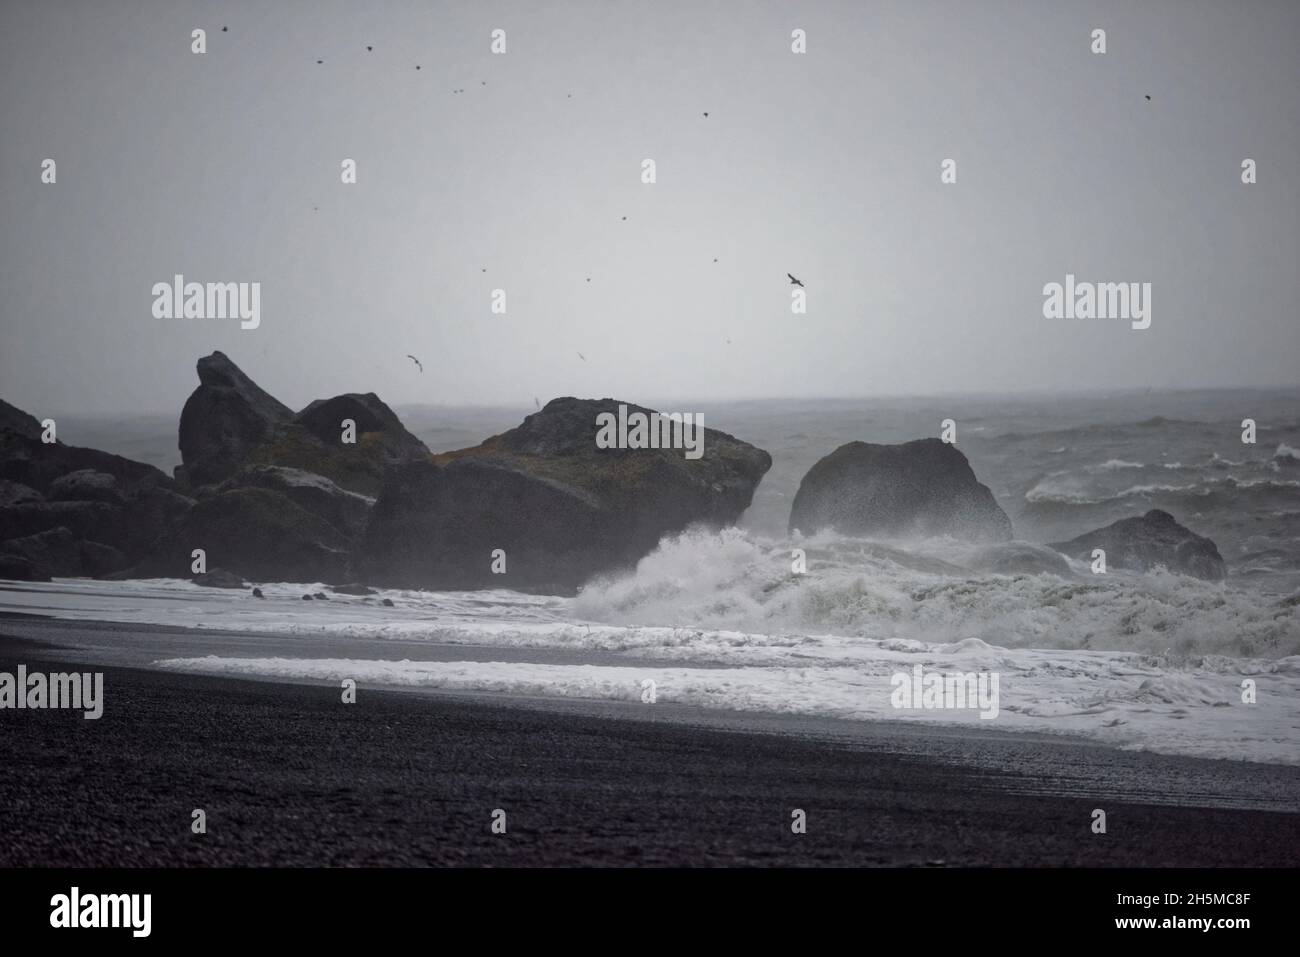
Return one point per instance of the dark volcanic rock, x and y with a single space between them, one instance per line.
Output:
55 551
219 578
229 423
115 508
97 521
35 464
920 488
560 508
256 533
87 485
379 431
16 420
224 420
1141 544
16 493
58 551
346 511
17 568
101 561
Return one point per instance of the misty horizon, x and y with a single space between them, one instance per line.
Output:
521 172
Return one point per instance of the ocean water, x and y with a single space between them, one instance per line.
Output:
716 618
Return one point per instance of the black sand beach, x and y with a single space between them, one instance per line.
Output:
290 776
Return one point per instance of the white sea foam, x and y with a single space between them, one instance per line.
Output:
1115 699
1125 658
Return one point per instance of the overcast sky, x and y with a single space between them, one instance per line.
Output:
226 167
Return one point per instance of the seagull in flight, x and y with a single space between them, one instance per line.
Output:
582 357
416 361
795 282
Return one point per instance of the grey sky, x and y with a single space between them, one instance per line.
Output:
825 165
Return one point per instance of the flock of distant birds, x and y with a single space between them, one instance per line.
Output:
418 363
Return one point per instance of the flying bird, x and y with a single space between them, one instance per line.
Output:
536 403
706 114
795 282
224 29
582 357
368 49
1148 96
416 361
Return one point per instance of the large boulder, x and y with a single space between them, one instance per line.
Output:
257 533
98 521
1154 539
224 420
380 432
560 508
346 511
31 462
115 509
17 568
87 485
16 493
922 488
230 423
55 551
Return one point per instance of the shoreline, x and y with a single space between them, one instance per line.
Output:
288 775
103 643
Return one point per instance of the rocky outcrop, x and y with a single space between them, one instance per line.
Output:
54 552
17 568
922 488
1141 544
229 423
14 419
16 493
71 511
58 552
379 431
257 533
27 460
560 508
224 420
87 485
346 511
